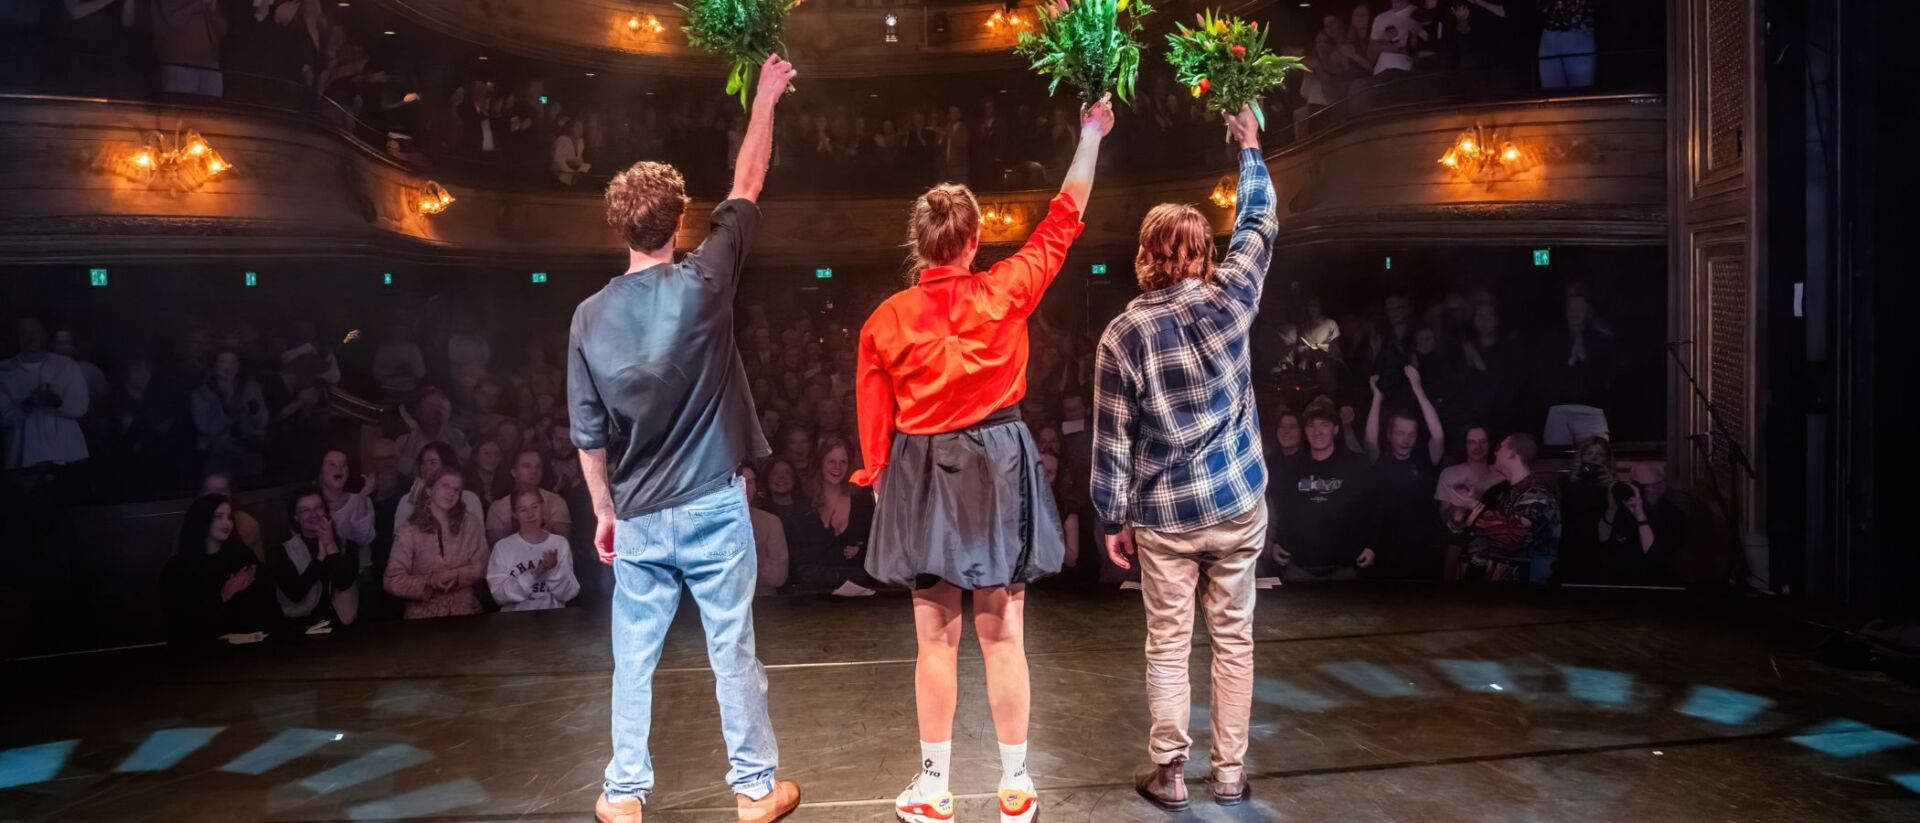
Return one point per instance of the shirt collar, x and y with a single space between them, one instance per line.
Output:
942 273
1162 295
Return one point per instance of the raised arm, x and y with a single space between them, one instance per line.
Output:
1095 122
1373 421
1243 272
1436 436
756 149
1027 274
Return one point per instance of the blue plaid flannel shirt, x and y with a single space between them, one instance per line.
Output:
1176 446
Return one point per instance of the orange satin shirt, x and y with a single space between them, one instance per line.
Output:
944 354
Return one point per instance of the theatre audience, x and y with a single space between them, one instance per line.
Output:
213 586
528 476
433 457
769 537
439 553
432 424
1521 525
1325 526
1586 496
485 478
314 570
230 420
1403 543
532 568
1641 531
828 546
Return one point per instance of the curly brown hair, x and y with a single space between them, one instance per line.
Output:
644 204
945 221
1176 243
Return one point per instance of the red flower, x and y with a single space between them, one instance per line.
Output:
1239 51
1253 24
1205 85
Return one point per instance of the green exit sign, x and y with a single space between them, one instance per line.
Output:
386 279
823 274
252 279
1099 269
1389 261
97 278
1543 257
539 277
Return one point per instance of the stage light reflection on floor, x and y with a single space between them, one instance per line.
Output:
1607 688
167 747
377 763
1478 675
1286 695
1909 781
1850 738
281 749
1372 679
432 800
1724 706
27 765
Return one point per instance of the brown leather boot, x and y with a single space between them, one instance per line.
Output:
625 811
778 803
1231 794
1164 786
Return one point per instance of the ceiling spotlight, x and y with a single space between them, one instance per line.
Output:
589 74
389 32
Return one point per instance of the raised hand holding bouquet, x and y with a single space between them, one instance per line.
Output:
743 31
1091 44
1225 61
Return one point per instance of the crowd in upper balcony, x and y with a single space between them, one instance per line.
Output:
519 121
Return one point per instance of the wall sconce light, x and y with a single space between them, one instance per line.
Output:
1225 193
1005 17
649 24
180 162
997 217
1485 155
433 199
893 30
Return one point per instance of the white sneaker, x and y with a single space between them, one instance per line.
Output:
852 589
1266 582
1018 805
1130 585
912 808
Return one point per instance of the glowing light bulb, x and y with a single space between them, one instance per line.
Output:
196 148
1467 145
216 165
1511 154
633 24
144 159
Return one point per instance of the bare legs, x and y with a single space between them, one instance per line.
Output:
999 620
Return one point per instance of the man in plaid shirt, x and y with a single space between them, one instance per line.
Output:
1177 472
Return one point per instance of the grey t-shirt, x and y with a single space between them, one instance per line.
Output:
653 372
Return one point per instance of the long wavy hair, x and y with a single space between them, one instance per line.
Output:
816 480
1176 243
423 518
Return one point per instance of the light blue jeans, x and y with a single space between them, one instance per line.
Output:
1566 58
708 544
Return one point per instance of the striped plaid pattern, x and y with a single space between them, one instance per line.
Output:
1176 445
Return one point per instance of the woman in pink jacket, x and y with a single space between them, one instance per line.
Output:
440 554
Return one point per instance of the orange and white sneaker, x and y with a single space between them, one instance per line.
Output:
1018 805
913 808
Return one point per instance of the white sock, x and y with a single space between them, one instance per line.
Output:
1013 767
936 762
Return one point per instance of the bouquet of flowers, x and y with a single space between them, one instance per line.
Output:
1091 44
1226 61
743 31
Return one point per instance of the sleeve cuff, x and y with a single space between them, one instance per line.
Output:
1067 213
1111 528
865 477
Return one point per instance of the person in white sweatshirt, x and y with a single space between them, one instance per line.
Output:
532 568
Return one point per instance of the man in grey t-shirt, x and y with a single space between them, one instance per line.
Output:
653 370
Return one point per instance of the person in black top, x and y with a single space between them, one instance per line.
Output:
212 586
827 546
1402 486
662 413
314 570
1326 530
